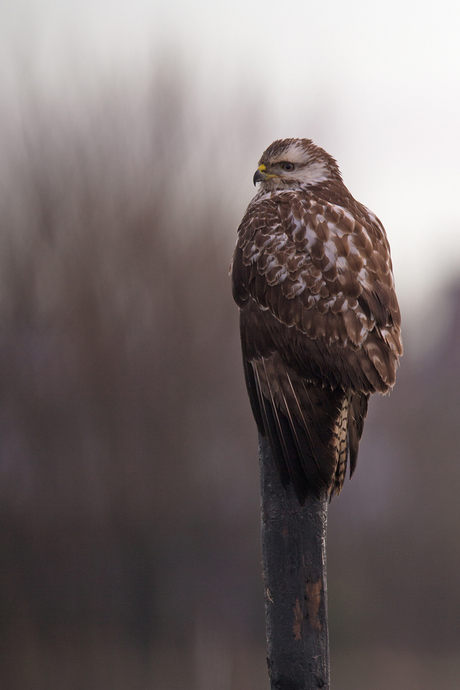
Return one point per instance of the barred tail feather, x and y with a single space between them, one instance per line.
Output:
357 412
303 424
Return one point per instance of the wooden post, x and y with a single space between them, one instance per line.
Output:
294 564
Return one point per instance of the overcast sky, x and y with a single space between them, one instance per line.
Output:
376 84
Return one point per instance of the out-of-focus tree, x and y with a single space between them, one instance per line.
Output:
129 521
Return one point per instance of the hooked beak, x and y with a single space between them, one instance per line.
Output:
260 175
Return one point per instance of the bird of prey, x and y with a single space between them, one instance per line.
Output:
319 318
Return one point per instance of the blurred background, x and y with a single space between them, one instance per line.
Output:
129 497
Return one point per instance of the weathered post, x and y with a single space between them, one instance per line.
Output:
294 565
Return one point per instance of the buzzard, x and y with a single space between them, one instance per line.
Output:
319 318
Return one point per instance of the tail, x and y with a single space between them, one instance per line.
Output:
312 431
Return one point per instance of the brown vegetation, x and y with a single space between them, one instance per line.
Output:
129 520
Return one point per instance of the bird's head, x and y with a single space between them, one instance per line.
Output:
294 163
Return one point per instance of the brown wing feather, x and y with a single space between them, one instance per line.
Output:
300 422
320 328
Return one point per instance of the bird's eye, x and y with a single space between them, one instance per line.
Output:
288 167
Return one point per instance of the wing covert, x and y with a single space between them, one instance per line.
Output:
317 268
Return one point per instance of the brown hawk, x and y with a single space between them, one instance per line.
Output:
319 317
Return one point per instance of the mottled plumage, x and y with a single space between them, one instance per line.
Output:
320 322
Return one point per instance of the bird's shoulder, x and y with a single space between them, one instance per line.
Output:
319 261
289 234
